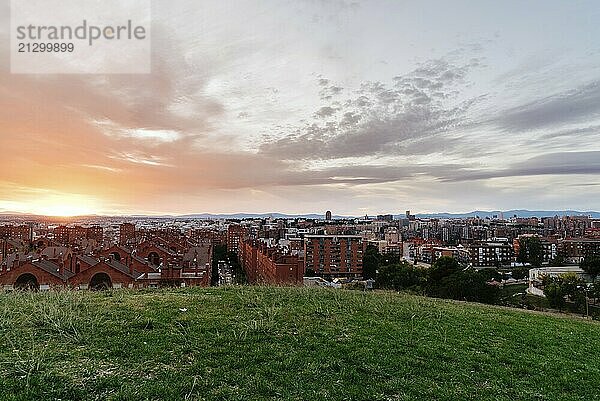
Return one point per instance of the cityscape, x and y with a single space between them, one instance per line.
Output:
299 200
121 252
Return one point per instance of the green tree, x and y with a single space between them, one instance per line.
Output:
557 289
401 276
519 273
371 262
443 267
591 265
554 294
575 289
468 285
557 261
570 284
446 279
530 251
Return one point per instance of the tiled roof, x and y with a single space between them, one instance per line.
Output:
88 260
53 269
121 267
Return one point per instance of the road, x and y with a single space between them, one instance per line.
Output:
225 273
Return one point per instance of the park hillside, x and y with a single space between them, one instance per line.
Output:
296 343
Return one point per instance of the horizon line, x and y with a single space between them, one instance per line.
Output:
225 214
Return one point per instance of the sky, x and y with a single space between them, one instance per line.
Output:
302 106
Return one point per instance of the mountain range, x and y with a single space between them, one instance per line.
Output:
476 213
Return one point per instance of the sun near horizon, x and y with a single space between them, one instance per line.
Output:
57 206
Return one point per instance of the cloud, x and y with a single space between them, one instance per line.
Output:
328 92
110 136
412 113
559 163
572 106
167 100
186 133
325 112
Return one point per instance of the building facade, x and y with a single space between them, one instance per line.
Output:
333 256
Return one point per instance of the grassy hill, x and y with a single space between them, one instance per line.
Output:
255 343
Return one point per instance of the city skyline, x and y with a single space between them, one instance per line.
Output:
301 107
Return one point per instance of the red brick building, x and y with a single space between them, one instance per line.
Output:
74 258
101 274
127 257
156 255
236 235
95 233
333 256
22 232
264 265
215 237
73 235
127 234
35 275
575 249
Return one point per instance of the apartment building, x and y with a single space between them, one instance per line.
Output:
333 256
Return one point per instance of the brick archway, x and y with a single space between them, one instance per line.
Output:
154 258
27 282
100 281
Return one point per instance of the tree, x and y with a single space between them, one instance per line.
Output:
371 262
468 285
557 261
401 276
591 265
519 273
530 251
237 269
443 267
557 289
446 279
554 294
570 284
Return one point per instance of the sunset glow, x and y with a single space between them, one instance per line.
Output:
59 206
63 210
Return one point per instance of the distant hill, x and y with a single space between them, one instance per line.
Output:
240 216
510 213
253 216
480 213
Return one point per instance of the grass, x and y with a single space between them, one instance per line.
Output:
260 343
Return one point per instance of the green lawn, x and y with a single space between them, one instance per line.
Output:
256 343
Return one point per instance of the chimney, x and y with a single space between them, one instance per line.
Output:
61 267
